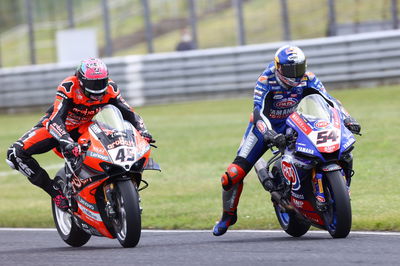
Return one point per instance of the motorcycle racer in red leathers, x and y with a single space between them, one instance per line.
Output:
277 93
78 99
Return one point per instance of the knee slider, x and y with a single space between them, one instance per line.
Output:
12 154
18 159
234 175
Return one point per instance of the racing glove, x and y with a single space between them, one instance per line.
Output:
147 136
352 125
278 140
69 147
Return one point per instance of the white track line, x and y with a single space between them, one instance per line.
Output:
209 231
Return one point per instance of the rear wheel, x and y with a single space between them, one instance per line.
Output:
67 229
128 223
338 216
290 223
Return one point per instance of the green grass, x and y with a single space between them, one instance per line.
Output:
198 140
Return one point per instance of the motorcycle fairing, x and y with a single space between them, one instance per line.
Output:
319 131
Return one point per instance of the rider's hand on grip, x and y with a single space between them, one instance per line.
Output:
69 148
352 125
72 150
278 140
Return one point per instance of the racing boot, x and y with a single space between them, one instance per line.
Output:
227 219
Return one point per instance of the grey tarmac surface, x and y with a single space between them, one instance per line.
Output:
45 247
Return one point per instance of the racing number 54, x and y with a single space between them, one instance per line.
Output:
326 135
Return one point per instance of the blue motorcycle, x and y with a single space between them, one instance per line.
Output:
313 165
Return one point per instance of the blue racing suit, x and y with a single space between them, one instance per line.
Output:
273 104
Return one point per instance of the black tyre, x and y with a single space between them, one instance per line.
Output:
338 216
290 223
67 229
128 223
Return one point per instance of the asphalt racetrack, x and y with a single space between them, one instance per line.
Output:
45 247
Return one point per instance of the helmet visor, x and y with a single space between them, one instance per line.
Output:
293 70
98 86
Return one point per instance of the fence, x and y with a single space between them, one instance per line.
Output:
368 59
28 27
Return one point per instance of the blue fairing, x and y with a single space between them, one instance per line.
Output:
303 143
347 141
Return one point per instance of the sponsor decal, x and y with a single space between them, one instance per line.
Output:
86 204
289 172
278 97
98 149
300 123
258 92
305 150
298 203
336 119
286 103
279 114
262 127
329 149
322 124
320 198
78 183
120 142
298 196
91 214
85 111
98 156
58 129
262 79
24 168
348 143
95 128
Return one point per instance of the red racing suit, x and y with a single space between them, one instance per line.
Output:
66 118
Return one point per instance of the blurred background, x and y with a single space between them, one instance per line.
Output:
29 29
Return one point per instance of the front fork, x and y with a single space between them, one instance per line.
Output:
318 188
108 191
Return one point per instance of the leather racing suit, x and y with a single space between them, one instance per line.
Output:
273 104
67 118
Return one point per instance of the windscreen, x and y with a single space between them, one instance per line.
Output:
314 107
111 118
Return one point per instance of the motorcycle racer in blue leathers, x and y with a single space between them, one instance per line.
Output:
277 93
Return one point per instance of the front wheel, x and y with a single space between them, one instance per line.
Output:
338 216
127 223
290 223
67 229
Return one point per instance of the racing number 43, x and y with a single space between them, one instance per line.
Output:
125 155
326 135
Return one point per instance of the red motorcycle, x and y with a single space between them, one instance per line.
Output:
102 184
